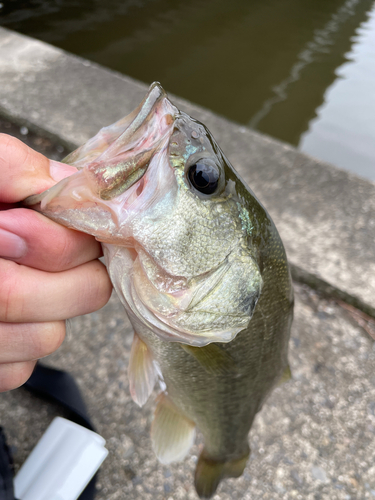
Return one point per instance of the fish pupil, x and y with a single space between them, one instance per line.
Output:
204 177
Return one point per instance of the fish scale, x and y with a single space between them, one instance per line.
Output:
176 231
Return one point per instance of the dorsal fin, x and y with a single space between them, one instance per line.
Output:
172 433
141 371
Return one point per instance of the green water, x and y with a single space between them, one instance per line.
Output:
269 64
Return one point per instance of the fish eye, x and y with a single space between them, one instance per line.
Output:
204 176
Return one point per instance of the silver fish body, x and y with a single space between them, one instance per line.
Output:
200 269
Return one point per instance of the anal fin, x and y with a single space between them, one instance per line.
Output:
210 472
141 371
172 433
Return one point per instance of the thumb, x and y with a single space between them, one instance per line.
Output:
24 172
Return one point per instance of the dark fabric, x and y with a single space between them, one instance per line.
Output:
59 387
6 470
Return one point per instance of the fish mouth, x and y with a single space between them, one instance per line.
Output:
118 157
127 159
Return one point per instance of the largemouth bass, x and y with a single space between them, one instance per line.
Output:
200 269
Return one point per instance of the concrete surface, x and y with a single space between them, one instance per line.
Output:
325 215
315 437
313 440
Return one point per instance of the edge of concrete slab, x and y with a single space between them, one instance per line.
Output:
326 289
325 215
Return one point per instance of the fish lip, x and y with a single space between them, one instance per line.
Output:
154 95
126 160
150 105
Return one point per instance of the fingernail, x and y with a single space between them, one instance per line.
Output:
11 245
59 171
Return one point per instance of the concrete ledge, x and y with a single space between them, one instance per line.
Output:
325 215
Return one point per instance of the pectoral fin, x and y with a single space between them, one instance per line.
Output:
213 358
172 433
141 371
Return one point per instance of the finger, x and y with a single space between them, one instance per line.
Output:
25 172
13 375
33 240
29 341
29 295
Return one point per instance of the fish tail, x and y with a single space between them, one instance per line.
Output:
210 472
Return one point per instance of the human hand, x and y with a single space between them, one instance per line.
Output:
48 273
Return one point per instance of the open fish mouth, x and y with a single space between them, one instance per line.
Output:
118 157
126 160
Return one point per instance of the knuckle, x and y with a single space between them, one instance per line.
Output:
10 299
100 285
8 142
75 249
67 251
93 288
46 340
12 150
13 375
53 337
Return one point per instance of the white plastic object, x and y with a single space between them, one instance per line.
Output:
61 464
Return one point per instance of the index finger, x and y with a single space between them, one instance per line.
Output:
24 172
